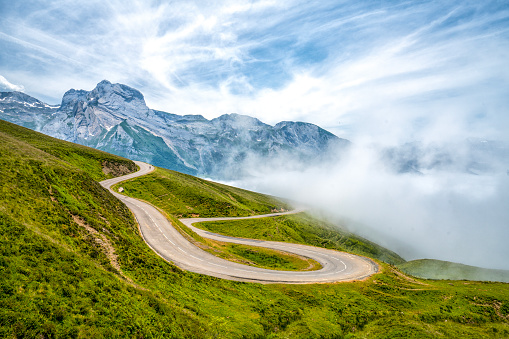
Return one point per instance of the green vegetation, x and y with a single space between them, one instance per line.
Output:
437 269
304 229
185 196
50 290
259 257
98 165
60 279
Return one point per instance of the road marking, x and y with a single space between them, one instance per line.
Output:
196 257
169 240
216 265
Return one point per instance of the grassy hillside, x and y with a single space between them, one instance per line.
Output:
59 272
182 195
73 265
185 196
97 164
437 269
304 229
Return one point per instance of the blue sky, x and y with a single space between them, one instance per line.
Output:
385 70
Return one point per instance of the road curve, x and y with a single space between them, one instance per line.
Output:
167 242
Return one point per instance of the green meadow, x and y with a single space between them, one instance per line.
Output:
438 269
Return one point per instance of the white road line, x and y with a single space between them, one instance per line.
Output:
216 265
197 258
169 240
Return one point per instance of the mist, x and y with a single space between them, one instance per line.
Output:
444 211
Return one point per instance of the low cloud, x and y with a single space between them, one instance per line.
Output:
443 213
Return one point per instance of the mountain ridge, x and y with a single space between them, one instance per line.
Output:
115 118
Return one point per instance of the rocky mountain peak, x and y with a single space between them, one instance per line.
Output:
238 121
113 96
106 89
72 96
104 106
104 83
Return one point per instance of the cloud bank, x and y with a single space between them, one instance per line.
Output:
441 214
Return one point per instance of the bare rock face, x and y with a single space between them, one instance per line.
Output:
116 169
116 119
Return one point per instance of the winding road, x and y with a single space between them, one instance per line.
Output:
168 243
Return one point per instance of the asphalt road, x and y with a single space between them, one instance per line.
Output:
167 242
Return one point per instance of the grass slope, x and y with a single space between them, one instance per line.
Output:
437 269
58 280
304 229
185 196
57 276
97 164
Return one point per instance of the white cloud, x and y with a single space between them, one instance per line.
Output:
383 91
446 215
5 85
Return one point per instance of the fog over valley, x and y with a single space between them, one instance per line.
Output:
444 211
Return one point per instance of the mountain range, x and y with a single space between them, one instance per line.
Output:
473 156
116 119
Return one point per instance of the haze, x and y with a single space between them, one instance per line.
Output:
442 214
380 73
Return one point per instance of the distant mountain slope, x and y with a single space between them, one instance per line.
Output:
472 156
24 110
115 118
438 269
